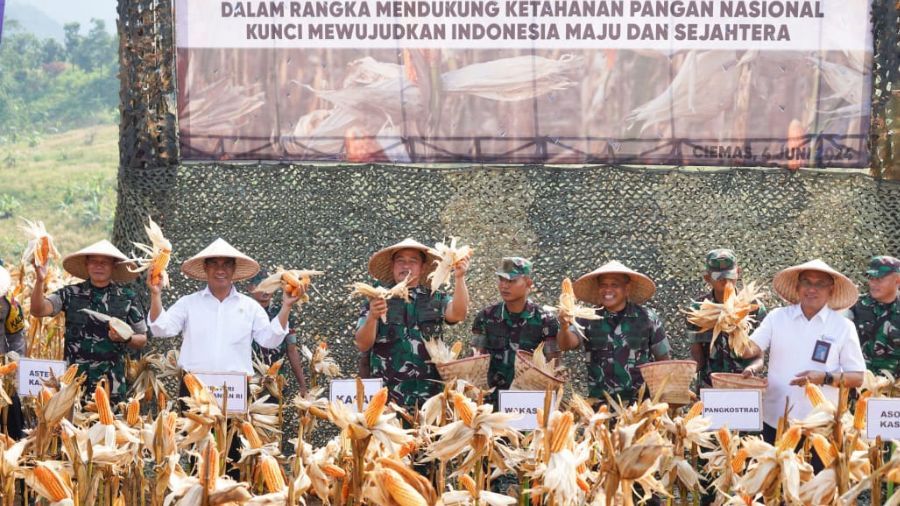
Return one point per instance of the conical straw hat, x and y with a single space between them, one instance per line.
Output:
76 263
244 266
640 289
381 264
787 285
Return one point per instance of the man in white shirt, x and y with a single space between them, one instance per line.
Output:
218 324
808 341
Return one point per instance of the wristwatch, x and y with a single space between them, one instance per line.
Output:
828 380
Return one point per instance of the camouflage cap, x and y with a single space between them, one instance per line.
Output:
882 266
722 263
514 267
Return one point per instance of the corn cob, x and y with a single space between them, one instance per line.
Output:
69 376
400 490
737 463
133 413
334 471
583 485
815 395
376 407
560 433
209 469
827 452
859 417
251 435
463 409
694 412
274 368
101 399
468 483
8 368
790 439
271 472
52 483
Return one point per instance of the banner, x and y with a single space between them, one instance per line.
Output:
705 82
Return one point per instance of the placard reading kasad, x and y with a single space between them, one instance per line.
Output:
711 82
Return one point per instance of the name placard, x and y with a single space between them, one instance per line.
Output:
33 372
344 390
737 409
234 382
883 419
525 403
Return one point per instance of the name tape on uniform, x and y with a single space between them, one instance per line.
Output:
234 382
737 409
344 390
525 403
883 419
33 372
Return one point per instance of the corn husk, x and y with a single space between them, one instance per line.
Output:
732 317
123 329
569 309
448 256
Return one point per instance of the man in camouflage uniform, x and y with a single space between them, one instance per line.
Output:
289 346
90 343
395 347
721 269
626 335
12 339
877 316
517 323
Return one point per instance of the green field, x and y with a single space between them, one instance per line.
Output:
66 180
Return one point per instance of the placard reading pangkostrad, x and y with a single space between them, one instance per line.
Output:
765 82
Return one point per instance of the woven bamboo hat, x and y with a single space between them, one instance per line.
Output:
381 265
786 285
244 266
76 263
640 288
5 281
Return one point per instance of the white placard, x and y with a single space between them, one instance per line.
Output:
737 409
525 403
33 372
235 382
344 390
883 419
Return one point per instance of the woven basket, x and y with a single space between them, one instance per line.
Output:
529 377
680 374
729 380
473 369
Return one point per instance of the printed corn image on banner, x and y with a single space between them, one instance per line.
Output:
703 82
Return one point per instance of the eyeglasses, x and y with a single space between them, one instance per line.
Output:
821 285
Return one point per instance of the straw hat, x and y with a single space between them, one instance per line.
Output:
76 263
244 266
381 265
641 288
843 295
5 281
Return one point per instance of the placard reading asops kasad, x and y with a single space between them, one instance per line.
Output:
33 372
700 82
883 419
234 382
344 390
525 403
735 409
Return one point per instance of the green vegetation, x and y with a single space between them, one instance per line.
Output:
48 87
66 180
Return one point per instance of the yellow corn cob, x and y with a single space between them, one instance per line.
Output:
274 368
133 413
8 368
52 482
209 469
728 292
251 435
737 463
45 396
271 474
400 490
345 491
334 471
815 395
724 437
583 485
561 431
69 376
193 385
101 399
789 439
468 483
376 407
161 400
407 449
859 417
456 349
694 412
465 412
827 451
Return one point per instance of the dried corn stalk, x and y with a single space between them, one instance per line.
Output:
448 257
732 316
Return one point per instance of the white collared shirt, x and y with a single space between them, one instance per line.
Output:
791 340
217 336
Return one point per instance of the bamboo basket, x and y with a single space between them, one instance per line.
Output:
529 377
727 380
680 374
473 369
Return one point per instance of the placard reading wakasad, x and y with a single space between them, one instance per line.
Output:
711 82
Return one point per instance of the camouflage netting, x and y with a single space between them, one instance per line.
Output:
568 220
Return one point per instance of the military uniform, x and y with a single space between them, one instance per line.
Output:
12 338
878 323
721 358
617 344
398 354
87 341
